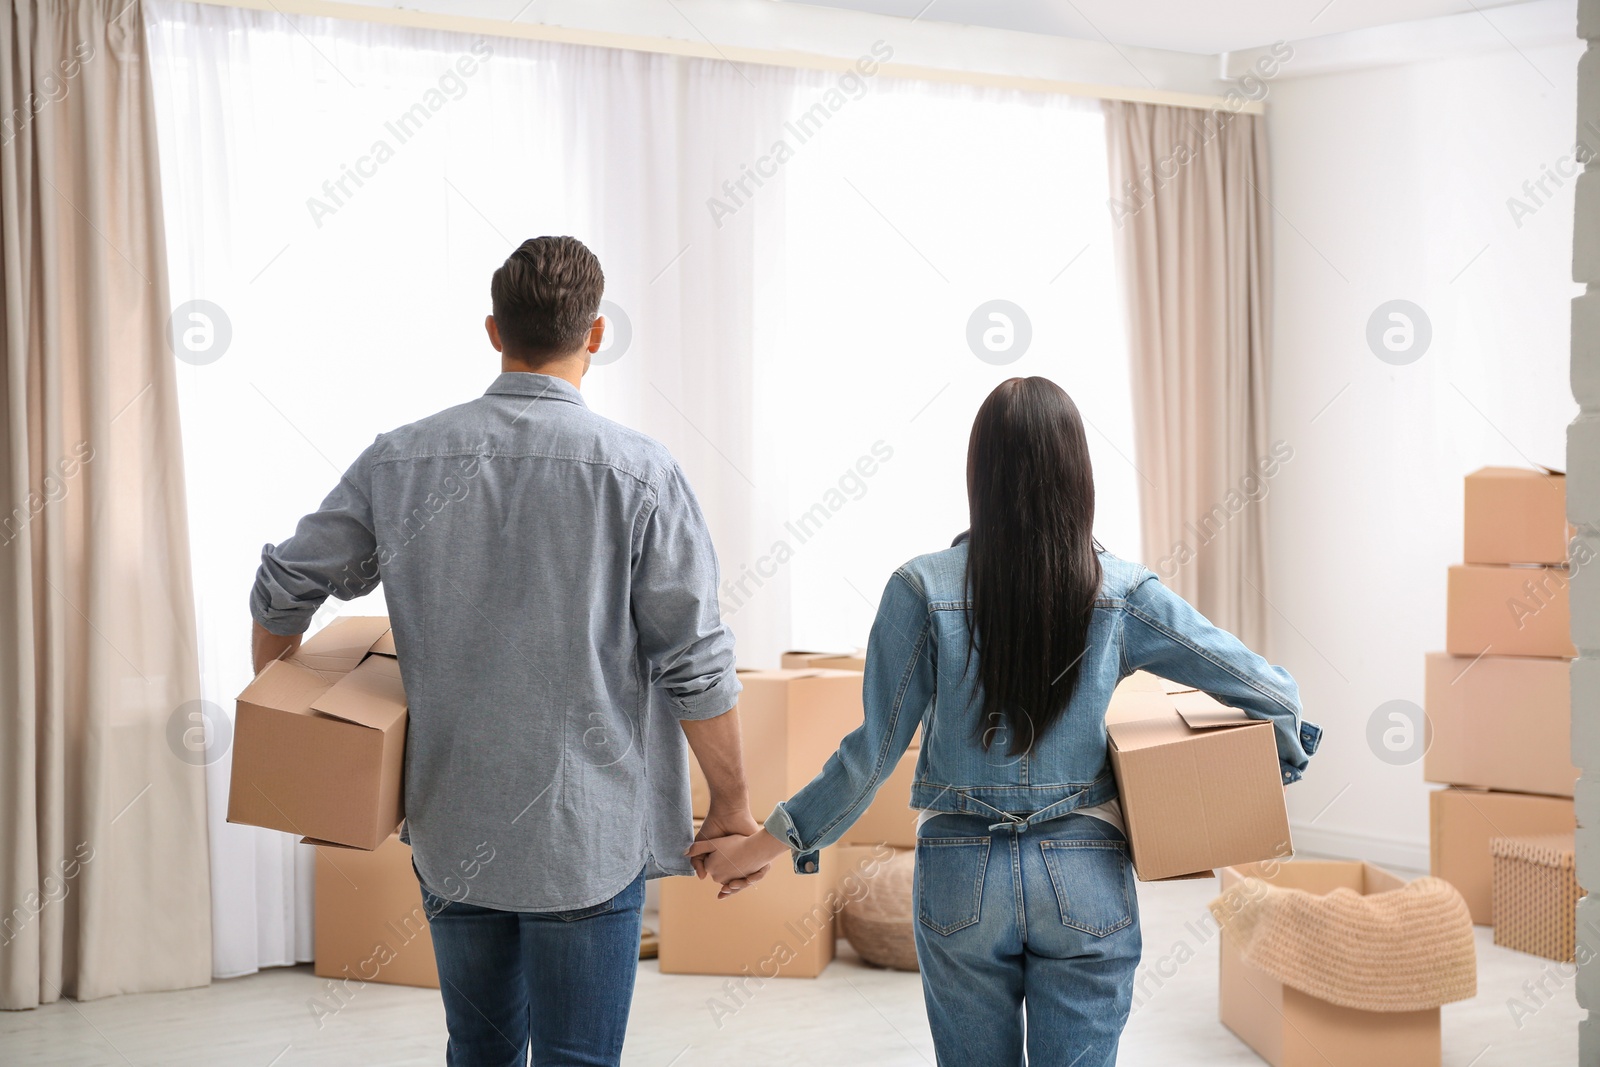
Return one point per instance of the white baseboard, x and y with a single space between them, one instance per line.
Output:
1406 855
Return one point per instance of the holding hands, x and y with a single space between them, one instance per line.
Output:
731 846
733 851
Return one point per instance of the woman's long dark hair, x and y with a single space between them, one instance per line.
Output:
1032 567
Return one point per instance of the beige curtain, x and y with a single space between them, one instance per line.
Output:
103 875
1192 227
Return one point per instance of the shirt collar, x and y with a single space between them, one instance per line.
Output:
537 386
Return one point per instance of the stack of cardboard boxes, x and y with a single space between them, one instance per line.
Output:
889 821
797 716
318 751
792 720
1498 704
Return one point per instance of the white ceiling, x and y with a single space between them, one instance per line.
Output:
1207 27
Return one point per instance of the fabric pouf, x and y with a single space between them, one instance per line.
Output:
882 923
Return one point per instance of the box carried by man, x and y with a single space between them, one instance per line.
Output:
319 739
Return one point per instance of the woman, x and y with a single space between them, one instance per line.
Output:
1004 649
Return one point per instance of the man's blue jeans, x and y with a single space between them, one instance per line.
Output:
1042 923
558 982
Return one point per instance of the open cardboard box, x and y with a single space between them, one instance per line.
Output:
319 739
1288 1028
1199 781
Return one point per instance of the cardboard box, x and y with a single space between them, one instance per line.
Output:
1515 516
370 922
1461 824
1199 782
1500 722
784 926
319 739
791 721
838 661
889 819
1536 895
1142 695
1288 1028
1508 611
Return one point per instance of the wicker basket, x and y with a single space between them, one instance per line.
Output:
882 924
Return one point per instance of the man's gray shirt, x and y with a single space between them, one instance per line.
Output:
552 589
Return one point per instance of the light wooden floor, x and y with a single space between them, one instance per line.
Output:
852 1015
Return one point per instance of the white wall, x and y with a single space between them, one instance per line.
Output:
1393 183
876 346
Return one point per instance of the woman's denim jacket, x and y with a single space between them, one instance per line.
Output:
918 674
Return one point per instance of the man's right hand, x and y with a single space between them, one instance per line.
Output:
266 646
721 822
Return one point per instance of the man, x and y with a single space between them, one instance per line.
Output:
552 588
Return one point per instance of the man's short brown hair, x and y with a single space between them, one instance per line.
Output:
546 297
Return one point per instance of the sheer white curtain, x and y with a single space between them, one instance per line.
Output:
914 217
340 192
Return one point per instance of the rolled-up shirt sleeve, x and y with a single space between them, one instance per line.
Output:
674 603
334 552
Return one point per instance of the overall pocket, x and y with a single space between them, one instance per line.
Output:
1090 878
950 881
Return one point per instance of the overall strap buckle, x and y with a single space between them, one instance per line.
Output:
1045 814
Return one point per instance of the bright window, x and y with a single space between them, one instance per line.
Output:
342 192
912 207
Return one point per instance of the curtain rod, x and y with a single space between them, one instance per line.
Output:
771 57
